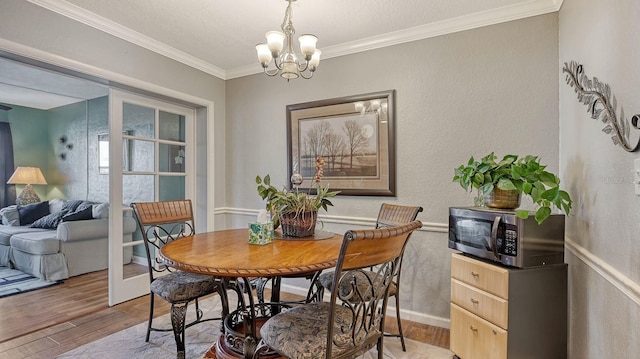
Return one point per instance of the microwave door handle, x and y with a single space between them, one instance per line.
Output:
494 236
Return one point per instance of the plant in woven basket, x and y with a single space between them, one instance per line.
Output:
294 206
523 175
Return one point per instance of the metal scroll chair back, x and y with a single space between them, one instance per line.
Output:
161 223
352 322
392 215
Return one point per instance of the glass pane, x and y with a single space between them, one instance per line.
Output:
142 156
171 188
138 120
171 158
134 261
138 188
171 127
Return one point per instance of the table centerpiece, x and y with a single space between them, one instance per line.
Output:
296 211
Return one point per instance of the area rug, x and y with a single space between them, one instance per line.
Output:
13 281
130 344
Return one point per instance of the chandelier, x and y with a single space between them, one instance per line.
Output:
286 62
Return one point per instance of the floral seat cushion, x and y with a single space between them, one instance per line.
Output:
183 286
326 279
301 332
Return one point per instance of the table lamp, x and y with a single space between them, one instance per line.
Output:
27 176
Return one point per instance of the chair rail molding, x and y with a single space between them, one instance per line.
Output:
354 221
623 283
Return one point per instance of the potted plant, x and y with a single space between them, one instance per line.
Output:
517 175
295 210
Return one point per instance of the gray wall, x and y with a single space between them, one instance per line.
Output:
469 93
604 254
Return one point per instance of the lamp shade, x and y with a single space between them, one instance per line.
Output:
27 175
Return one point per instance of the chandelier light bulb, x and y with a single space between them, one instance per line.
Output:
275 41
307 45
375 105
264 54
315 60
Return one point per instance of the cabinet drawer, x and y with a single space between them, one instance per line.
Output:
475 338
483 304
484 276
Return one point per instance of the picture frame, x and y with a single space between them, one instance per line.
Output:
356 137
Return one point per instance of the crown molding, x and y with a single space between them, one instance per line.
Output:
449 26
105 25
467 22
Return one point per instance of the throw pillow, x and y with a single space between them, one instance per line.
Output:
32 212
71 206
84 214
49 221
55 205
84 205
10 216
101 210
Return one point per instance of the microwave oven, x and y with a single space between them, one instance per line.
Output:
501 236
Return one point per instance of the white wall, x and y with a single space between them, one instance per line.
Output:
604 250
469 93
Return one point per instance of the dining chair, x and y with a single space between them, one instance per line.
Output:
352 321
161 223
390 215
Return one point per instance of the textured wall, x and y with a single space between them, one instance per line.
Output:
604 226
469 93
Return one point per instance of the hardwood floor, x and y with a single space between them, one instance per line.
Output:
54 320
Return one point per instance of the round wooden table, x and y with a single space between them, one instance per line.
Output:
228 254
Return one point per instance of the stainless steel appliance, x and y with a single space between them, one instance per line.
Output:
500 236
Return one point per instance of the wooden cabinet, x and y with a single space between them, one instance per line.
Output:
500 313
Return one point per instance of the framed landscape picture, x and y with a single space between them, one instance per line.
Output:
354 135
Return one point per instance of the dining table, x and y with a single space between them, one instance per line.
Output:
228 255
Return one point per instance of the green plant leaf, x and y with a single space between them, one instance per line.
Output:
551 194
267 180
522 214
258 180
506 184
542 213
526 187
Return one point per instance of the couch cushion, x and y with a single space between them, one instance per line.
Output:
7 231
36 243
10 216
49 221
32 212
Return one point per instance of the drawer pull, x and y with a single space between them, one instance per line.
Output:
494 332
474 301
475 275
475 330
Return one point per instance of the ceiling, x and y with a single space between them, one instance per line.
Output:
219 36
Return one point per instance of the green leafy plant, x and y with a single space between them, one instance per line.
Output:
525 175
294 201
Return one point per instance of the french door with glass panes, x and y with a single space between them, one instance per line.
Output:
149 156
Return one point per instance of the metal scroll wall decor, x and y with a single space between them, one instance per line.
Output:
602 104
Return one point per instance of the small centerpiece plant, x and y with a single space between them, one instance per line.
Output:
295 207
512 173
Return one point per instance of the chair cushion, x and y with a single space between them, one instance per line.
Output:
301 332
182 286
326 279
6 232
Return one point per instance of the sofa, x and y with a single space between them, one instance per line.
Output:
59 239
